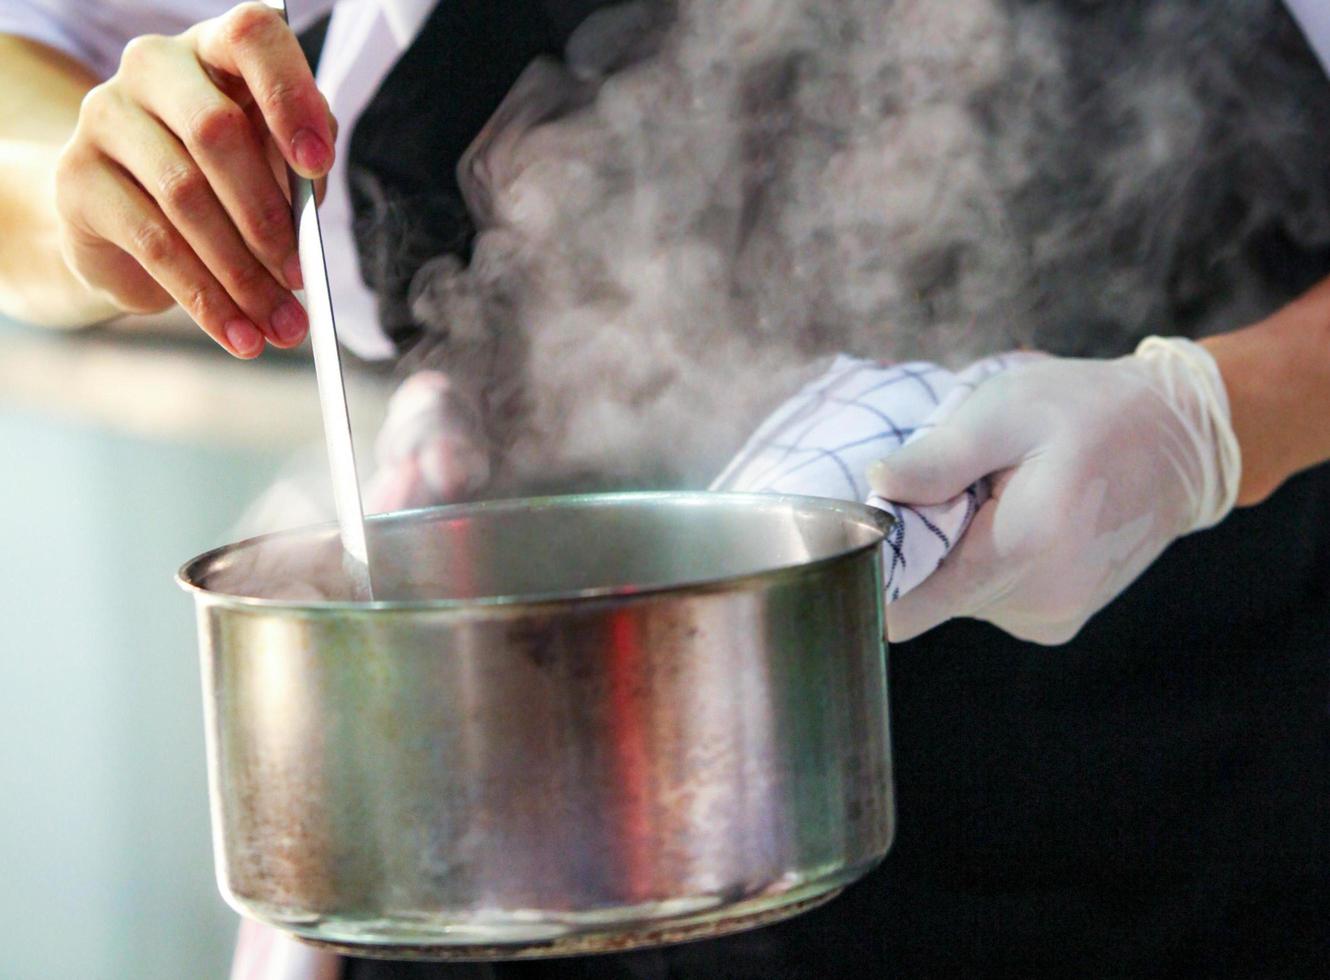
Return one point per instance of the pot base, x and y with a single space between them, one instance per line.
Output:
710 925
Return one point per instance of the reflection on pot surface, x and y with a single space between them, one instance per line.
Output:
568 723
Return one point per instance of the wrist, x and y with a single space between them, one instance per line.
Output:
40 93
1189 381
36 285
1277 373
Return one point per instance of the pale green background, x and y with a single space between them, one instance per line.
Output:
105 849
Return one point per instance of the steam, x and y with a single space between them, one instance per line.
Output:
685 217
705 198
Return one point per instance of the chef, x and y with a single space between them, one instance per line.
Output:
168 127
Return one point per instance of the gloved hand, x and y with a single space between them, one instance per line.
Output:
821 441
431 449
1095 467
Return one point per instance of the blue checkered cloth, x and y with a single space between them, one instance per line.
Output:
821 442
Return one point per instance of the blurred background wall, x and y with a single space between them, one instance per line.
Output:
122 454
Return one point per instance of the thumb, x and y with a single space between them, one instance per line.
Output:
930 470
967 443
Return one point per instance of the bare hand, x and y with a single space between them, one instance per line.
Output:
173 186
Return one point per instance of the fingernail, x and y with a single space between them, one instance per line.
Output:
310 152
877 471
244 338
291 270
289 322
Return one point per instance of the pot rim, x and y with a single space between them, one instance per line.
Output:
878 520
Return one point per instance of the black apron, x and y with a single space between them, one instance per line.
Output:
1149 800
402 164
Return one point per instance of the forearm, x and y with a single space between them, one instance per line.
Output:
1277 373
40 93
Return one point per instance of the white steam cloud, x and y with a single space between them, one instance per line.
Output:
705 197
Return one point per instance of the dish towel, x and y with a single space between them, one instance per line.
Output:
821 442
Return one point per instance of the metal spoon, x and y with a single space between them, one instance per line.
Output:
328 371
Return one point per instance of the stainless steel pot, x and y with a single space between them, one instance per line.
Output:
576 723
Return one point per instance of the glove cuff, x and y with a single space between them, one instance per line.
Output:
1185 366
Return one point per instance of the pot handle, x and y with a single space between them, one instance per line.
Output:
884 519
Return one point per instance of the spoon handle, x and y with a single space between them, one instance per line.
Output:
328 371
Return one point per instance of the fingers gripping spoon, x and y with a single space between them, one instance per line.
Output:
328 371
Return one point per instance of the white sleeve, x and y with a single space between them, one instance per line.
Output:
96 33
1314 16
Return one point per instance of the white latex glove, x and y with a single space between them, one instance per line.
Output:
1095 467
